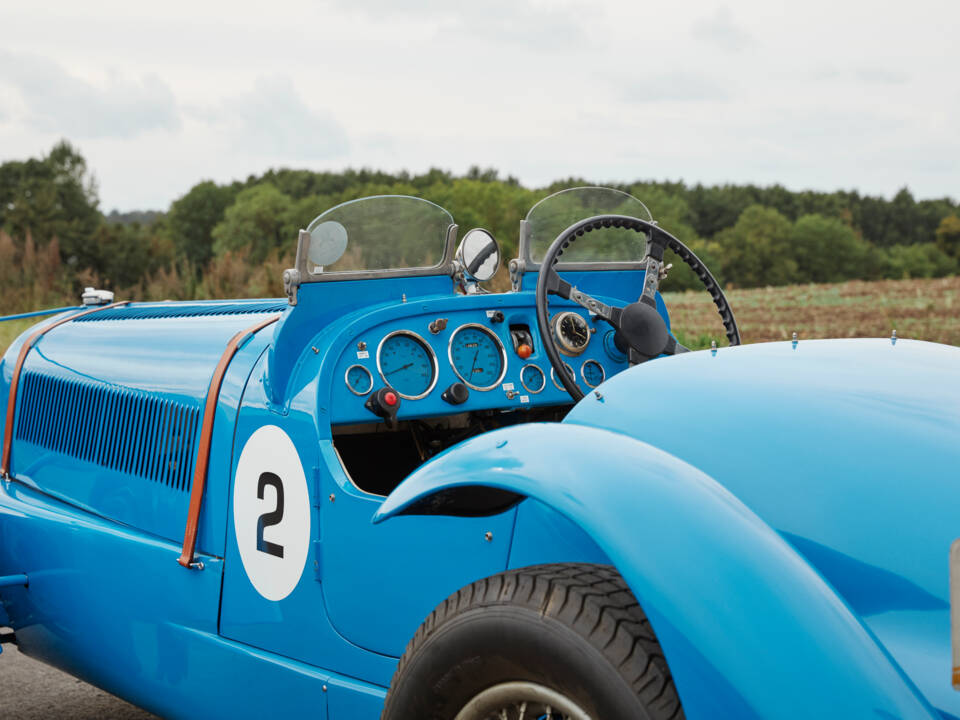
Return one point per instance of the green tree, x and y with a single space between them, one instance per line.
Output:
827 250
259 221
757 250
948 236
193 217
53 197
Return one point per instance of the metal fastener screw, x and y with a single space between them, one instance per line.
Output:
361 346
315 350
324 688
332 497
488 536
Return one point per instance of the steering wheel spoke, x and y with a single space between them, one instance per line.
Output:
610 313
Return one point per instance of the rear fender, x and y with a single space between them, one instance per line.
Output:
748 627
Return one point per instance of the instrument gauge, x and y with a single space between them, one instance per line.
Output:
592 373
532 379
407 364
359 380
571 331
477 356
556 380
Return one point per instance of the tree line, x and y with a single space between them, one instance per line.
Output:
234 239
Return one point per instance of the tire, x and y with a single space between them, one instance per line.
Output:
570 640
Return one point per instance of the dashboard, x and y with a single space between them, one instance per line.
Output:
462 360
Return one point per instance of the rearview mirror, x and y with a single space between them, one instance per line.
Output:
479 255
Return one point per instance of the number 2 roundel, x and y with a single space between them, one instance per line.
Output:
271 512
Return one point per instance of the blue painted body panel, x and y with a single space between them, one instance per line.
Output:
853 462
782 514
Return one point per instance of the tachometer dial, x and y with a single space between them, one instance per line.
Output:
556 380
477 356
571 332
592 373
532 379
407 364
358 379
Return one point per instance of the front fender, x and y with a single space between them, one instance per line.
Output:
748 627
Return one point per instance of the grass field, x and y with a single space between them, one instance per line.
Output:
919 309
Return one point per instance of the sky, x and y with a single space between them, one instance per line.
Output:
814 94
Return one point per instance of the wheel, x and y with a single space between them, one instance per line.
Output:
550 642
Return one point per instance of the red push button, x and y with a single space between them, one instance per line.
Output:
390 398
524 351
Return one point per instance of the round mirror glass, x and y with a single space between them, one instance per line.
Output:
328 241
479 255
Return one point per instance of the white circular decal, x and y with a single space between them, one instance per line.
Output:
271 512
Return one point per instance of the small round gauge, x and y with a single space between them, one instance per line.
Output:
477 356
359 380
556 380
571 332
592 373
532 379
407 364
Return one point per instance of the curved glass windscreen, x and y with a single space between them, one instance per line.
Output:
554 214
384 232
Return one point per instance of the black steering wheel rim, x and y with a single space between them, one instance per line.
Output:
549 282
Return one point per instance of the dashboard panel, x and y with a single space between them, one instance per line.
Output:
421 355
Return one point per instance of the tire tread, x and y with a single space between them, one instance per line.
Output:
592 600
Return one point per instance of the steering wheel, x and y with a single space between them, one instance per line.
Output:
641 332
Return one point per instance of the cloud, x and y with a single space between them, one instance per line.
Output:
721 31
512 22
676 86
880 76
59 102
273 120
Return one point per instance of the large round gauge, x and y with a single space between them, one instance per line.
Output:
556 380
359 380
592 373
571 332
532 379
407 364
477 356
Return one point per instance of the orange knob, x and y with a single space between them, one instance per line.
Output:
524 351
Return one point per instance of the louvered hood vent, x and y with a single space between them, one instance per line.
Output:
129 431
183 310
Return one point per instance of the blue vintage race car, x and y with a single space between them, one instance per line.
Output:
395 495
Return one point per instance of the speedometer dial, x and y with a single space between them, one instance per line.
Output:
407 364
477 357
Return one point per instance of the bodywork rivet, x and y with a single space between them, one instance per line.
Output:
315 350
488 536
332 497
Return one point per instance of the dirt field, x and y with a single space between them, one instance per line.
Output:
917 309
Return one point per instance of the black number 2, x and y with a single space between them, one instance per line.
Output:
270 518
